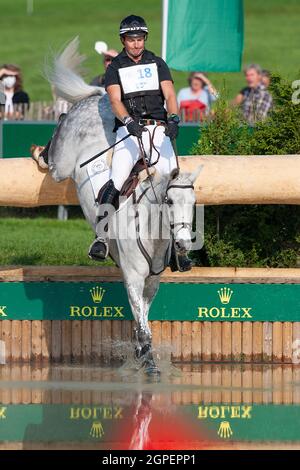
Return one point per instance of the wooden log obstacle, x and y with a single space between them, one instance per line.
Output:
223 180
56 314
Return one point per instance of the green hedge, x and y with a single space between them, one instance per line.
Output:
256 235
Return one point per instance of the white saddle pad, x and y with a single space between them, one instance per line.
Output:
98 173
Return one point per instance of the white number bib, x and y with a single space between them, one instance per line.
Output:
137 78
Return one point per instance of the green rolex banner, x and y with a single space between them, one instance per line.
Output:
201 35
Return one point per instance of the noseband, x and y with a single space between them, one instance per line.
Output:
182 224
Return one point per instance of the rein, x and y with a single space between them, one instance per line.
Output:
172 225
147 159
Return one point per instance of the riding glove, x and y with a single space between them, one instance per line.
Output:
172 126
134 128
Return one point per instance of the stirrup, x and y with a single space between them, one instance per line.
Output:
98 255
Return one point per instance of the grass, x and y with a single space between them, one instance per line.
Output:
45 241
272 30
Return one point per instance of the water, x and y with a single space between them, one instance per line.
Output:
202 406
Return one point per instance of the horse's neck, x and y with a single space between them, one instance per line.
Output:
152 193
151 197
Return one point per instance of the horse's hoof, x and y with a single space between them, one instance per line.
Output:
152 371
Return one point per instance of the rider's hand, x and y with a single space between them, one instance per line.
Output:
172 126
134 128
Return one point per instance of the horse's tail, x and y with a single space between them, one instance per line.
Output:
63 74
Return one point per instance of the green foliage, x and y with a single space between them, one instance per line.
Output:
225 133
280 135
256 235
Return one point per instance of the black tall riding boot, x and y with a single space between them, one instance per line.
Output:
98 250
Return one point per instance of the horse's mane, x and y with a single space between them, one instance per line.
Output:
160 182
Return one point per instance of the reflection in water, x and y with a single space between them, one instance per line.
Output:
192 406
142 418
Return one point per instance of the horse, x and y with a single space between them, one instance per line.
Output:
170 199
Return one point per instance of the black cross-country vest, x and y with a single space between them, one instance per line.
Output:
141 92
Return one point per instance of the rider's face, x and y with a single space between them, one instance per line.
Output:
134 45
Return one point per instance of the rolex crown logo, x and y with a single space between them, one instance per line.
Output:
225 294
225 431
97 430
97 294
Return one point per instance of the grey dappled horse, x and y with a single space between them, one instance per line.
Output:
87 129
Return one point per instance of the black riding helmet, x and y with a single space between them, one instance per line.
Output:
133 25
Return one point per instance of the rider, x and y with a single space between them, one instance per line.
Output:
138 83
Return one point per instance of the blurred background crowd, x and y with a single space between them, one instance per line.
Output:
195 101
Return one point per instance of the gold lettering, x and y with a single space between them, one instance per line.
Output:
88 309
2 313
235 412
246 312
2 412
95 309
235 312
86 413
202 412
202 311
214 412
118 312
223 315
107 412
211 312
223 409
246 412
75 413
74 311
108 310
118 413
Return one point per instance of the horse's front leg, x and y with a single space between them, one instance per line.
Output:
139 298
150 289
135 286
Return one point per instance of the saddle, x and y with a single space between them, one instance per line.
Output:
129 184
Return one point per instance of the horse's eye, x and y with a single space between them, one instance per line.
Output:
169 202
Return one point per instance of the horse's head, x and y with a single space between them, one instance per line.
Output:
180 198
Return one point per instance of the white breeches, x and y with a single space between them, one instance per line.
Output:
127 153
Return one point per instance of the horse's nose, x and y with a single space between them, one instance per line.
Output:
183 242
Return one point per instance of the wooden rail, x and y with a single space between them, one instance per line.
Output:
223 180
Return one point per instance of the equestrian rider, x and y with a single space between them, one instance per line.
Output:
138 84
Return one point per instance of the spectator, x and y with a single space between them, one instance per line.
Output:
198 97
255 100
108 55
15 97
266 77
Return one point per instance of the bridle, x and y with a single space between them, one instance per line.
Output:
147 163
172 226
182 225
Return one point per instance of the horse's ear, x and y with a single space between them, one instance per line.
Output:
174 173
196 173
